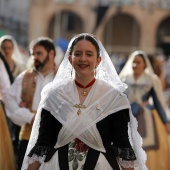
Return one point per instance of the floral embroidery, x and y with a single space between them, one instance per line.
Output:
77 154
80 146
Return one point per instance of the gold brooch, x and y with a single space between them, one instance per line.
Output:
79 106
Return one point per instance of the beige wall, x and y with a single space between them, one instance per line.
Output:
40 16
148 20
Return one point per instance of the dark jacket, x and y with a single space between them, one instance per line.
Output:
114 133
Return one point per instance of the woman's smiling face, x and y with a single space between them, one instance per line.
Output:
84 58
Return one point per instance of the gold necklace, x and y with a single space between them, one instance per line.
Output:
85 92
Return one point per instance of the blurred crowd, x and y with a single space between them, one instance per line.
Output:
161 66
23 74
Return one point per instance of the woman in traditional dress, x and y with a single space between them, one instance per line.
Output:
84 120
7 159
13 56
15 62
145 95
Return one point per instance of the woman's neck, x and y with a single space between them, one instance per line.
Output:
136 75
84 80
9 59
87 82
10 62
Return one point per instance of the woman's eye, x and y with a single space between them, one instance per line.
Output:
77 54
89 54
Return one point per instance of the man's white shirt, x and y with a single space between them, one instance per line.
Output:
20 115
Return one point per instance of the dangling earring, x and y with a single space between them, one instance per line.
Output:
71 71
95 72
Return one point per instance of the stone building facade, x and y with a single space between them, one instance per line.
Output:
122 28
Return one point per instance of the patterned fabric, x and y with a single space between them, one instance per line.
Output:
77 154
27 96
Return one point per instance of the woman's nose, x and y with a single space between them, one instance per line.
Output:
83 57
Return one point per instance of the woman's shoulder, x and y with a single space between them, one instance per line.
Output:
105 86
53 88
148 77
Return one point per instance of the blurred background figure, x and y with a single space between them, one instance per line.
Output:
157 63
160 68
148 106
167 83
13 56
15 63
7 159
23 97
60 48
61 45
119 60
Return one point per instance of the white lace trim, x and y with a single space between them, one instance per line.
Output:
125 164
34 158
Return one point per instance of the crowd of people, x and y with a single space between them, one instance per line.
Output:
84 113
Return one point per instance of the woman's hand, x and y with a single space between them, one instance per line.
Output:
127 168
32 121
34 166
22 104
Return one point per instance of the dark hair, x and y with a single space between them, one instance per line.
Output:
46 42
7 39
142 56
88 38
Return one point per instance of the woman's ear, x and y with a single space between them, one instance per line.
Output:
70 59
98 60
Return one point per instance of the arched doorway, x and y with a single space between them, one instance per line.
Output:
65 24
121 33
163 36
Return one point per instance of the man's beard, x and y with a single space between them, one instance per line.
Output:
41 65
